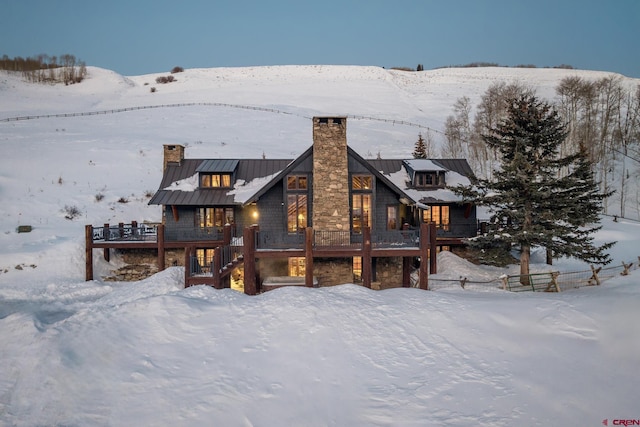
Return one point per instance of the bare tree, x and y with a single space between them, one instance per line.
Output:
457 130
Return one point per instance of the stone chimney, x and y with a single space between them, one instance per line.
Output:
172 154
330 174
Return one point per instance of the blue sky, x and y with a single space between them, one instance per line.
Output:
134 37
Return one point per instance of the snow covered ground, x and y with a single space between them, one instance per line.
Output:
152 353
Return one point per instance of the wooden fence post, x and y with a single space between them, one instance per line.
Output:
505 282
594 276
554 282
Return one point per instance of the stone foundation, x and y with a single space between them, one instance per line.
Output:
143 263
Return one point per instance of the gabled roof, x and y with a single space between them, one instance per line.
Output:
254 177
180 183
401 171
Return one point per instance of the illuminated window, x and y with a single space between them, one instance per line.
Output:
214 217
361 202
392 217
297 203
205 257
439 215
361 212
297 266
361 182
357 268
215 180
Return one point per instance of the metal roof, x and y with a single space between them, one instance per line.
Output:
249 169
218 165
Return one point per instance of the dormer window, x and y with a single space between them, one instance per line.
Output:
215 180
428 179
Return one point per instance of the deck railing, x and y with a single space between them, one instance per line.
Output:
337 239
126 232
187 234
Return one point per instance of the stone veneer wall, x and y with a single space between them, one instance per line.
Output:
172 154
330 174
142 263
388 273
333 271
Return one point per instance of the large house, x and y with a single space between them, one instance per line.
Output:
327 217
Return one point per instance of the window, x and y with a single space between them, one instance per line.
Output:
297 182
215 180
214 217
204 257
361 202
438 214
392 217
361 210
357 268
296 212
297 203
361 182
426 179
297 266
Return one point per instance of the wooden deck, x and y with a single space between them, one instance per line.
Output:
132 236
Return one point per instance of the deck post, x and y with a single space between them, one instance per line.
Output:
249 239
226 235
424 256
366 257
187 265
308 256
406 271
106 235
160 241
433 234
216 267
88 245
134 228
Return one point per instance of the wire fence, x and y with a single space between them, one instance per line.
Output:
211 104
552 281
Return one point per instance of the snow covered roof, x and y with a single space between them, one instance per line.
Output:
400 172
253 177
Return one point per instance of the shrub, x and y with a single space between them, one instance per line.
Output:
165 79
177 70
123 200
153 89
71 212
99 197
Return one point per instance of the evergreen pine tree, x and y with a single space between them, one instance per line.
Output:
535 203
420 149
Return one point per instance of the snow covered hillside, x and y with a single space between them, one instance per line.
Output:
152 353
